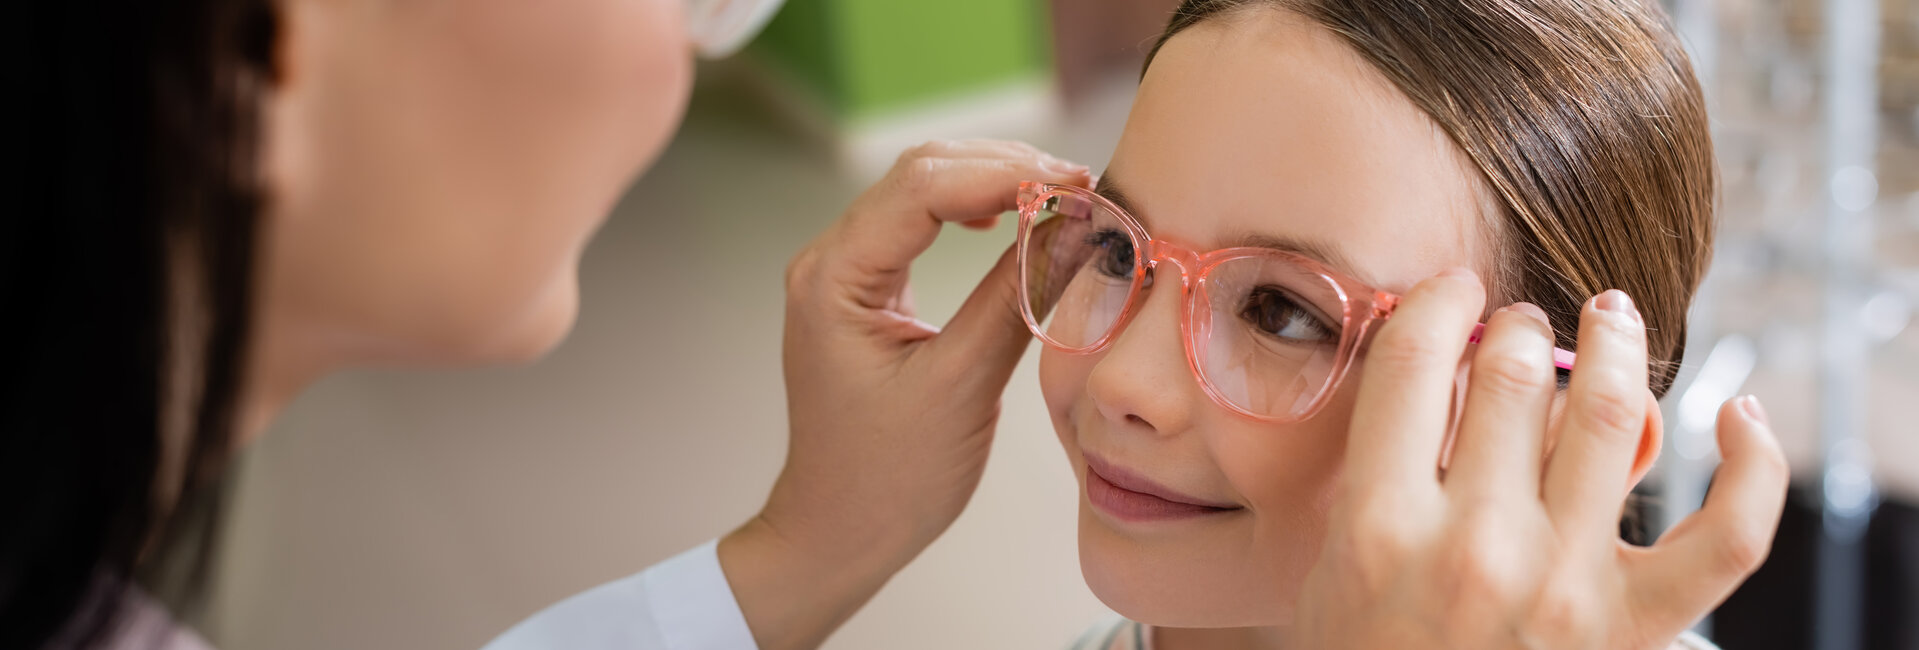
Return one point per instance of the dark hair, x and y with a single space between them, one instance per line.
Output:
1584 119
126 270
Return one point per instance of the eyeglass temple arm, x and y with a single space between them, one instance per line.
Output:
1561 358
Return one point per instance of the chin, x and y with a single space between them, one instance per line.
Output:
525 336
535 344
1181 586
1136 582
551 321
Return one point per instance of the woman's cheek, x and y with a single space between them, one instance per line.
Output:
564 104
665 79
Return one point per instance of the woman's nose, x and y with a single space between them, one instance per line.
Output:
1142 380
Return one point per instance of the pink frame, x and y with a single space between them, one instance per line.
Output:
1365 307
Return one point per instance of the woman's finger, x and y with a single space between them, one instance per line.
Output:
1702 559
987 335
1605 415
898 219
988 223
974 148
1508 397
1406 393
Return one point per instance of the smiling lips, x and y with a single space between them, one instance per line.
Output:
1130 497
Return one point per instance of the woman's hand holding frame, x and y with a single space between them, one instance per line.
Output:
1515 546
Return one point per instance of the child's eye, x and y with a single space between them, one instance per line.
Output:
1273 312
1112 253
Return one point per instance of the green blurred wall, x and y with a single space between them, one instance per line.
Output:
868 56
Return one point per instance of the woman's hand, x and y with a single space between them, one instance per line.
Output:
1504 550
891 417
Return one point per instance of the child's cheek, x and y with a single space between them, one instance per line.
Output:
1288 472
1062 382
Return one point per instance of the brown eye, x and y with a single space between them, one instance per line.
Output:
1276 314
1112 253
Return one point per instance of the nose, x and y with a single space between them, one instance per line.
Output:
1142 380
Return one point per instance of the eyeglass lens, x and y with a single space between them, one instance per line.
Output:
1266 330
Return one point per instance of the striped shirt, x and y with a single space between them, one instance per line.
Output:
1115 634
1121 634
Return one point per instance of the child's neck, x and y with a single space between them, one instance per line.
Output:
1224 638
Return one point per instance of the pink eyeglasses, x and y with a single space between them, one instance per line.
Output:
1268 333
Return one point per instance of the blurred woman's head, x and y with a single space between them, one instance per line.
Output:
435 168
229 198
1557 147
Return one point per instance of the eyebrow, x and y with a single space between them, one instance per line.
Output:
1324 252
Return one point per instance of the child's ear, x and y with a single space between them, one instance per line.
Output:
1651 438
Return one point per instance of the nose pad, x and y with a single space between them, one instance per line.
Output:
1158 251
1160 255
1152 275
1142 377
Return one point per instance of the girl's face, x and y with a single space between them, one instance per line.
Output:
1254 125
436 167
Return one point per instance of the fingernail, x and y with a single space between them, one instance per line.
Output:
1750 404
1616 301
1058 166
1459 272
1532 310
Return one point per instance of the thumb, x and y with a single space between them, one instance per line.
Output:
1699 562
988 334
898 218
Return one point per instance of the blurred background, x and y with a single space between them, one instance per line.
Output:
434 510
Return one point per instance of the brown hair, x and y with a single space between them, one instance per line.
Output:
1585 120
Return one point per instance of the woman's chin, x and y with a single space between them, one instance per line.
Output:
518 336
542 331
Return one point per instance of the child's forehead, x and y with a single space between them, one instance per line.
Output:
1268 125
1388 251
